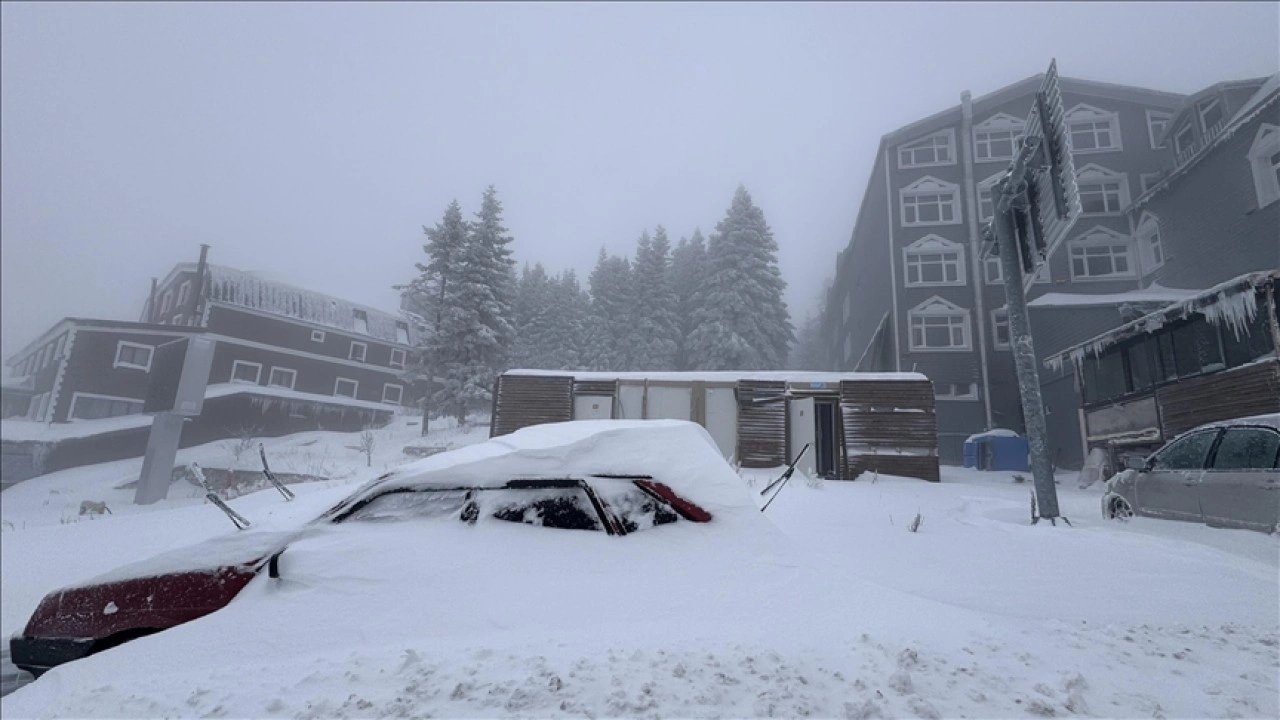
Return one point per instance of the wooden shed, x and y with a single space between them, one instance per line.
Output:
854 422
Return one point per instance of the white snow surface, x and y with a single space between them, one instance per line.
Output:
825 607
1153 294
725 376
993 432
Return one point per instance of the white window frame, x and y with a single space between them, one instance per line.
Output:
1266 143
936 307
1146 181
988 186
1152 253
1178 151
993 272
1092 174
364 351
948 138
1083 113
402 325
354 392
996 124
1204 108
121 344
1154 118
75 397
293 377
971 394
996 323
929 186
399 393
317 336
393 362
257 372
360 321
1101 236
933 245
184 292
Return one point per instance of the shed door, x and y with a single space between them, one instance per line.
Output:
722 419
803 426
592 407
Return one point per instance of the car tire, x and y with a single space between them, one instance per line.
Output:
1119 509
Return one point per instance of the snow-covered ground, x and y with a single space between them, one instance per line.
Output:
978 614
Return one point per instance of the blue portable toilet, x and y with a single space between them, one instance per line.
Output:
997 449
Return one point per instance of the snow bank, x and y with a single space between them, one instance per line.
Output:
993 432
725 376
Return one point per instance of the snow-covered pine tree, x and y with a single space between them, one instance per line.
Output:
612 306
688 270
742 320
530 313
494 252
655 304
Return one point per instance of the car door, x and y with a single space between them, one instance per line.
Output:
1241 486
1168 489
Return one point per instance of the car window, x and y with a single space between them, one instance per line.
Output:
564 508
1247 448
1186 453
634 508
405 504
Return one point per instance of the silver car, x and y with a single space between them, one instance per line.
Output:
1226 474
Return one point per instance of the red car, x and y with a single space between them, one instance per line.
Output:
175 588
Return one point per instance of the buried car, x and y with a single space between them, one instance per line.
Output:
1225 474
602 478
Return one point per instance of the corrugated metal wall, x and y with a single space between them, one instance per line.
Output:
889 426
762 423
523 400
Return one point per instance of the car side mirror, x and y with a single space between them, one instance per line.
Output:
1135 462
273 565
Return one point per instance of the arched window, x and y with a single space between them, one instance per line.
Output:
939 325
933 260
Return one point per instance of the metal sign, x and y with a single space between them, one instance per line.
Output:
1051 187
179 375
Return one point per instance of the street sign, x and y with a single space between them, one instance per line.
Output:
179 374
1051 187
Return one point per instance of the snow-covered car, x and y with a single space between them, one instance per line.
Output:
610 478
1225 474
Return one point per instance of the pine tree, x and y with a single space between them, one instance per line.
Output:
530 312
742 320
656 321
688 270
612 308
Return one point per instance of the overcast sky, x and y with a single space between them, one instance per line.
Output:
314 141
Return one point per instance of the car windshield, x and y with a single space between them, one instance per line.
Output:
568 508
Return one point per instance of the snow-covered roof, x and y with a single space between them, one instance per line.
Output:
725 376
225 389
1233 302
1153 294
267 293
993 433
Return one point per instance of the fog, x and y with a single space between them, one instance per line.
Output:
315 141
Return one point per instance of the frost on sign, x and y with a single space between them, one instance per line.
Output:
110 609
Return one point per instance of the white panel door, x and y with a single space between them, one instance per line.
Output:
722 420
631 399
803 430
670 403
592 407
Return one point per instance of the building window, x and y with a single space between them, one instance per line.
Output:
939 325
933 260
1149 180
361 320
184 292
986 196
345 387
133 355
996 138
282 377
1264 159
993 272
88 406
402 332
1149 244
397 358
1000 328
1090 129
358 350
246 372
955 391
1157 122
1211 117
1102 191
167 302
930 201
1101 254
1184 142
62 343
391 393
317 336
937 149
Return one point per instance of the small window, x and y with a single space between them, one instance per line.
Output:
345 387
1104 377
1137 356
168 301
282 377
1247 449
1196 348
1000 328
246 372
133 355
937 149
955 391
358 350
1090 129
317 336
1211 117
1102 191
391 393
939 325
996 138
1156 123
1149 244
1247 342
361 320
933 260
1184 142
1264 161
184 293
930 201
397 358
402 332
1101 254
62 343
1187 453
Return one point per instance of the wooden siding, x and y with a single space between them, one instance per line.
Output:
295 335
762 426
890 427
1239 392
606 388
90 367
314 375
523 400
